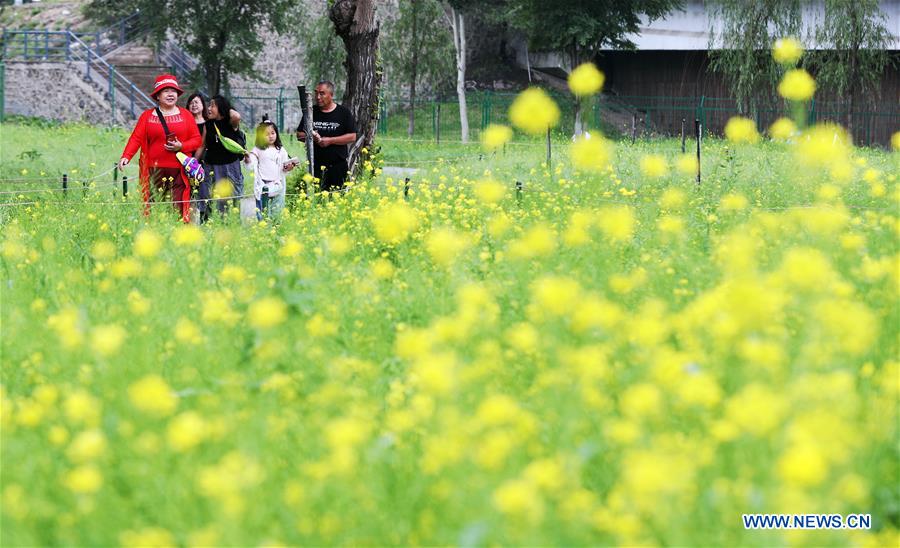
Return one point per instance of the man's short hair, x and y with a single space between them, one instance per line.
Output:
327 83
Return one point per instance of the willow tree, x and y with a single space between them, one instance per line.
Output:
741 49
851 51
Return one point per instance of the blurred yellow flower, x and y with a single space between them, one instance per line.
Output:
686 164
653 166
267 312
585 80
495 136
382 268
797 85
783 129
291 247
803 466
107 339
395 222
444 245
489 191
152 395
155 537
87 446
591 152
186 431
617 223
83 480
187 235
103 250
741 130
787 51
733 202
824 145
520 499
223 188
533 111
895 141
147 243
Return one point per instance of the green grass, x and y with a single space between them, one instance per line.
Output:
612 366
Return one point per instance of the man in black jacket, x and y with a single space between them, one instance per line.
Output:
333 130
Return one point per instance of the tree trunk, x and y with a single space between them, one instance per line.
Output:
458 26
354 21
415 65
213 69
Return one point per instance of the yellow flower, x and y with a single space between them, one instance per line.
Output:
291 247
673 198
83 480
585 80
797 85
148 537
187 331
591 152
895 141
686 164
395 222
267 312
223 188
787 51
231 273
537 241
87 446
107 339
824 145
519 498
653 166
147 243
186 431
152 395
558 295
82 408
489 191
741 130
533 111
803 465
733 202
495 136
187 235
103 250
641 400
444 245
617 223
137 303
319 326
382 268
783 129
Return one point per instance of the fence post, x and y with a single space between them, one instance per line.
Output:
2 90
25 44
698 128
281 108
682 135
633 126
65 182
518 192
88 63
46 44
68 45
701 111
438 134
124 186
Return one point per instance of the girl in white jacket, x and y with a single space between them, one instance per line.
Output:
269 161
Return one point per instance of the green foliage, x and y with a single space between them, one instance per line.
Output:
433 44
741 51
851 51
323 52
224 35
582 27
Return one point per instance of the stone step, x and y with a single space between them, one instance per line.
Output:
133 55
143 76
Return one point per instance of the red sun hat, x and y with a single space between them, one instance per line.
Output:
164 81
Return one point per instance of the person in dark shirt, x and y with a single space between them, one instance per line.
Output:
333 130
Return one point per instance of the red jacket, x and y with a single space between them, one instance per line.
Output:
149 137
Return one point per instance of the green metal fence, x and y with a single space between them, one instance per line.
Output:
2 91
644 116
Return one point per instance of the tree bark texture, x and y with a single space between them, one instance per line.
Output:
458 26
415 65
355 23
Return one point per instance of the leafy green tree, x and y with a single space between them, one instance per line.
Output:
741 50
221 34
417 49
851 54
323 56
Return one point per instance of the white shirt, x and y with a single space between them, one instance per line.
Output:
268 170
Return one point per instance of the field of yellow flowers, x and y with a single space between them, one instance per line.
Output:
608 354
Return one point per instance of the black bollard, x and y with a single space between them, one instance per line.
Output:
406 188
65 184
124 185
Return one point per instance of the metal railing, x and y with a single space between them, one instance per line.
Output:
97 70
57 45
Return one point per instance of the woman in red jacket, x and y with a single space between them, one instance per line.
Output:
162 177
